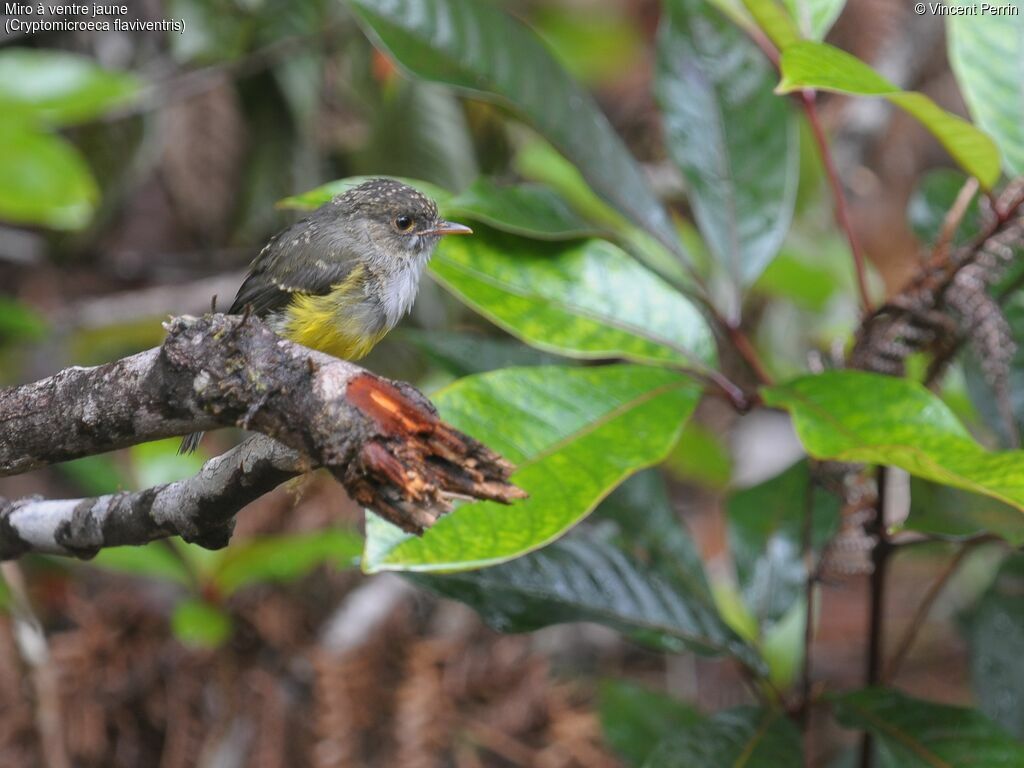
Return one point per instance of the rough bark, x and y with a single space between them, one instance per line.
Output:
382 440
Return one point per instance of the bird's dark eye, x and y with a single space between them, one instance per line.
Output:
403 223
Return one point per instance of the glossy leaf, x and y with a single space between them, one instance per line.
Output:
911 733
735 141
582 578
45 181
736 738
586 299
857 416
464 352
635 719
956 514
766 535
986 52
59 88
823 67
934 195
199 624
650 531
478 48
550 421
284 557
994 628
532 210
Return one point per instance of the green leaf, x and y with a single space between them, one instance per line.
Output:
986 52
19 321
284 557
479 49
45 181
159 462
775 21
650 531
701 457
911 733
154 560
581 578
815 17
464 352
596 47
635 719
586 299
531 210
952 513
551 422
735 141
737 738
316 197
866 417
931 200
766 532
823 67
994 628
59 88
199 624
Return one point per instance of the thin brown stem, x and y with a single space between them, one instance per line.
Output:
807 98
910 634
955 214
876 627
745 348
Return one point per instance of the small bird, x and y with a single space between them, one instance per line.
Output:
340 279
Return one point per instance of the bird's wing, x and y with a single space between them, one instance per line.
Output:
291 263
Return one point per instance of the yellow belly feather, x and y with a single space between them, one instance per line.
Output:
332 323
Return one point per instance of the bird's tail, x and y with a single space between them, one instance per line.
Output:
189 443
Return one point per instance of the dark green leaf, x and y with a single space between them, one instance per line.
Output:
478 48
284 557
581 578
986 52
766 532
155 560
58 88
737 738
734 139
820 66
650 532
994 628
911 733
463 353
532 210
950 512
44 181
635 719
586 299
931 201
857 416
551 422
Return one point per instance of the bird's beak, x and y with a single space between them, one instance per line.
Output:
448 228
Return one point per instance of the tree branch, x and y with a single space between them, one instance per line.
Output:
382 440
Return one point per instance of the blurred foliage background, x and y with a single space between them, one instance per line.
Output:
139 174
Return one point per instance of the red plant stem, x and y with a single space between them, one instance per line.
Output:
842 213
746 350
